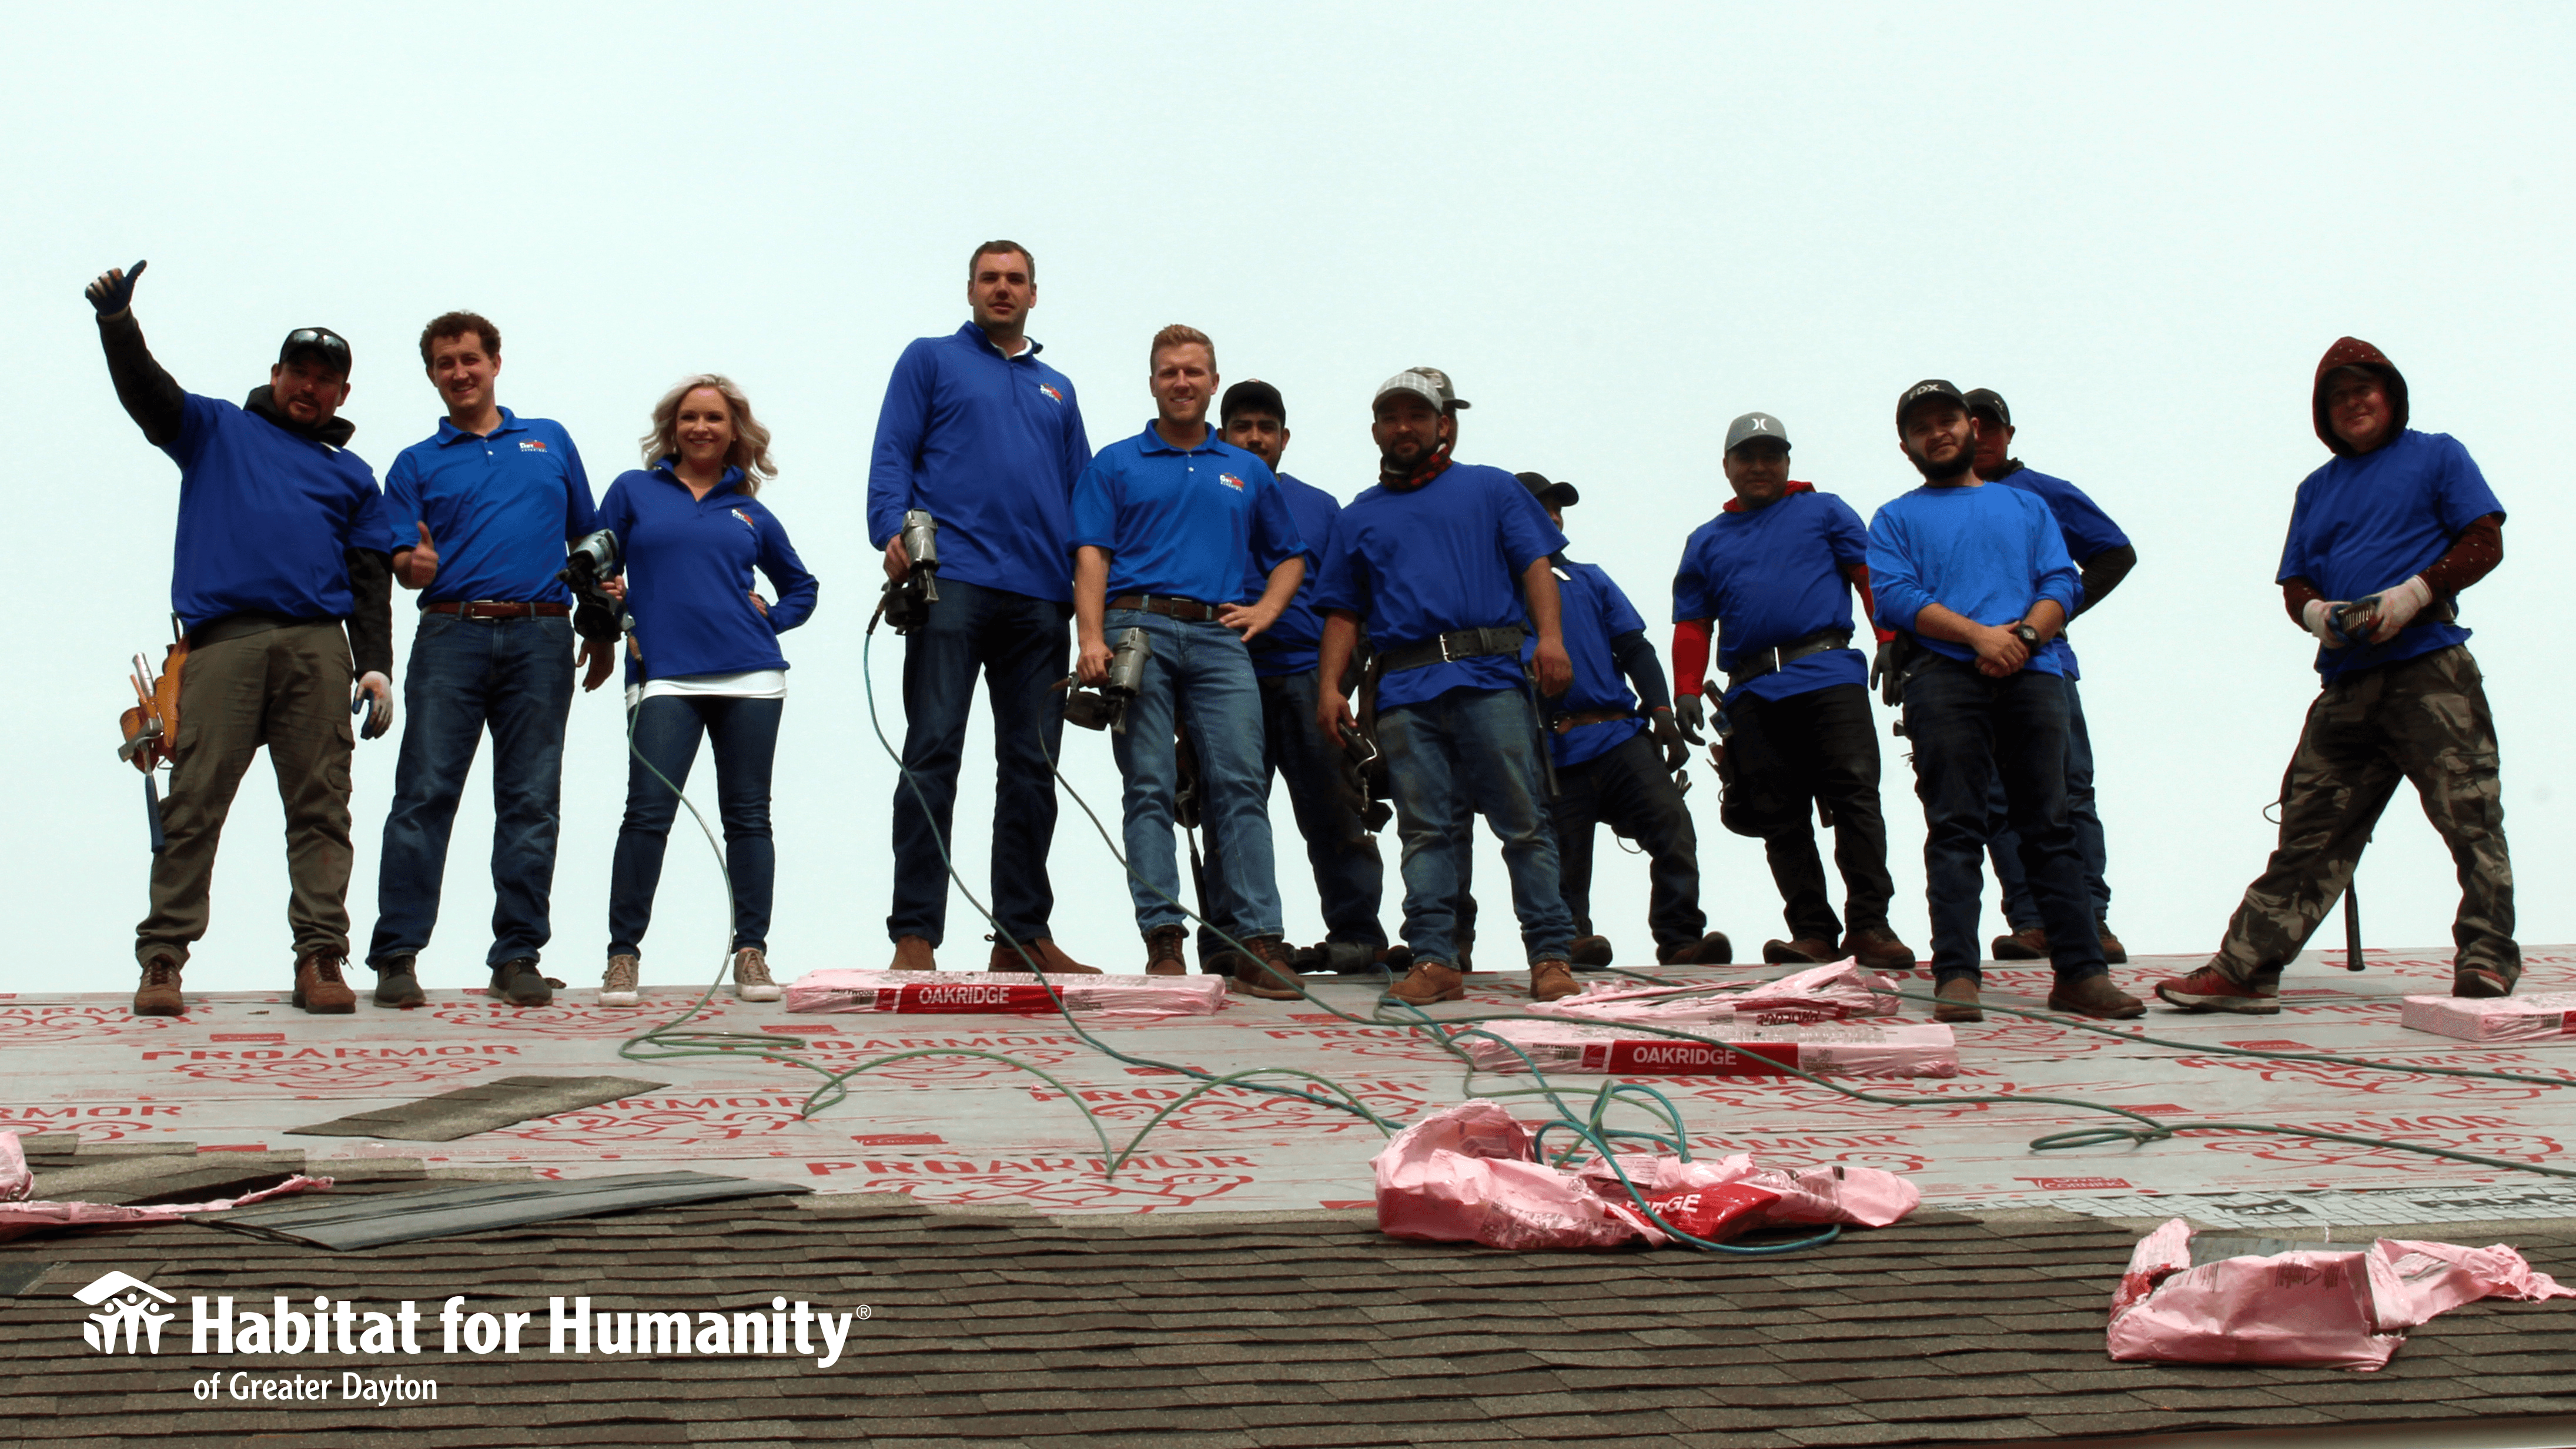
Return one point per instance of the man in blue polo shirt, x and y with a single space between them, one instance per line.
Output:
1165 525
280 580
988 440
1614 747
1447 565
1978 575
486 504
2105 556
1775 571
2382 540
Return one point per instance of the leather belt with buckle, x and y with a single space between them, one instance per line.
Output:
1772 660
495 609
1569 722
1188 611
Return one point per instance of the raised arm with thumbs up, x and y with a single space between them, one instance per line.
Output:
418 564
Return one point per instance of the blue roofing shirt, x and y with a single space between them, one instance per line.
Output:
2088 531
1773 574
991 446
688 574
1592 612
1183 522
499 508
266 518
1290 645
1982 551
2365 524
1445 556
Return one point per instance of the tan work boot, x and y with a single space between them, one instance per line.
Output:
159 993
2096 996
1272 974
1165 948
1551 981
617 985
319 989
1050 959
1878 949
912 953
1428 982
2025 945
1956 1000
751 979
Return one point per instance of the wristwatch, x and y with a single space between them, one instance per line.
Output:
2028 636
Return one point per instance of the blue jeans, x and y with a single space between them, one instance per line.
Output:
2021 910
1020 645
1971 733
1350 877
1200 676
514 678
744 736
1472 752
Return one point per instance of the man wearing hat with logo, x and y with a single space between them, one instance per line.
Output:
1979 576
2105 556
1775 572
1447 565
281 581
1615 750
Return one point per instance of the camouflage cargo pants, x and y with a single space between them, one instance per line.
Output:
2424 719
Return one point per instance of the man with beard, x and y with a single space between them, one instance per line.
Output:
1444 562
2397 524
1979 576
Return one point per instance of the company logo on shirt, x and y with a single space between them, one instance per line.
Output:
1049 390
746 519
1230 481
532 445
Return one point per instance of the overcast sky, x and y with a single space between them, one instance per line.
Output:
1616 229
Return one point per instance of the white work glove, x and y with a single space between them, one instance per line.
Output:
2397 608
373 686
2315 616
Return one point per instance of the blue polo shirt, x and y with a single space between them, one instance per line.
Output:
1183 522
2088 531
1773 574
991 446
1447 555
266 518
1983 551
688 574
1592 612
1289 646
2365 524
499 508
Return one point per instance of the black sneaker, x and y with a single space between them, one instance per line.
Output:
396 985
519 980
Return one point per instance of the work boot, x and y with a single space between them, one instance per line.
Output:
1430 981
518 981
1591 951
1712 949
2112 950
319 989
1165 951
1050 959
159 993
2479 983
2095 996
397 985
1801 951
1956 1000
1878 949
912 953
2027 944
2211 989
751 979
617 986
1552 981
1272 975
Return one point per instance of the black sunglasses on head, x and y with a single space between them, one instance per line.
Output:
331 343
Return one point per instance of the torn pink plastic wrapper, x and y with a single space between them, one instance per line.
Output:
1838 992
1110 998
19 1215
2546 1018
2187 1298
1466 1174
1879 1048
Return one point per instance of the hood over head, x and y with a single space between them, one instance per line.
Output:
2353 352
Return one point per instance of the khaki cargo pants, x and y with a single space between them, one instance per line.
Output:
2424 719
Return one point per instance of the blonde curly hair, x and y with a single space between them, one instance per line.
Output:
750 450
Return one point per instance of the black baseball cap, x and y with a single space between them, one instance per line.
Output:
1251 395
321 342
1930 387
1554 495
1987 400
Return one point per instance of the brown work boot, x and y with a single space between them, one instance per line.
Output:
2112 950
159 993
1271 974
319 989
1164 951
1050 959
1589 951
1878 949
1430 981
2477 983
1802 951
2024 945
1712 949
1956 1000
2095 996
1551 981
913 953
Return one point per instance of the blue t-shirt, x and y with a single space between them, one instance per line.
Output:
1445 556
1592 612
688 574
1770 575
991 446
2088 531
1290 644
2370 523
1182 522
500 508
1984 552
266 518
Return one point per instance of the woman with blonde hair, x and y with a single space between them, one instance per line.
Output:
703 659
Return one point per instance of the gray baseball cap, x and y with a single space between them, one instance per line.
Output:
1755 425
1427 383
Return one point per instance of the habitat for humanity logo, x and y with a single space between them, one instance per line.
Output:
125 1305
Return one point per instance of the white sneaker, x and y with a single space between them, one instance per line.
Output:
617 988
751 976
